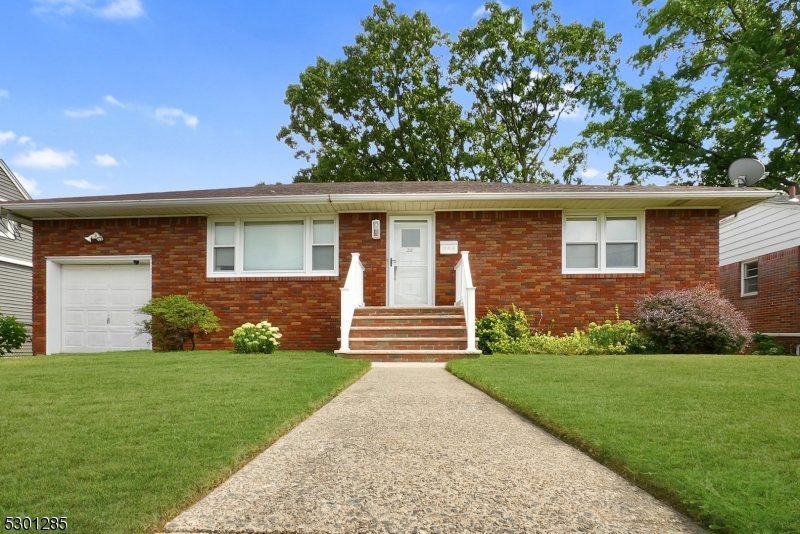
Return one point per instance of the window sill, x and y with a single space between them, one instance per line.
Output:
748 295
216 277
606 274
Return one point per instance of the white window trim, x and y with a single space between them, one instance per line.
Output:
742 277
601 241
238 244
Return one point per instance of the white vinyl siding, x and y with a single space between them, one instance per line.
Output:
603 242
749 278
771 226
296 246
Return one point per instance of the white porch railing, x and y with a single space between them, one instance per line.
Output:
352 297
465 296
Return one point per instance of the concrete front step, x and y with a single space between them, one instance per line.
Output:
407 355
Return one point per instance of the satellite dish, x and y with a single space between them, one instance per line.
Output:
745 172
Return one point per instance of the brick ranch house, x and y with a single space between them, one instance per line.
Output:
760 267
395 270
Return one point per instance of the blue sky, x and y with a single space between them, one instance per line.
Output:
128 96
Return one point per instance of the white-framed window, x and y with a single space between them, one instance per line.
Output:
749 278
611 242
286 246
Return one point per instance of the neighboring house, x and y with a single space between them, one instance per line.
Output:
285 253
759 262
16 253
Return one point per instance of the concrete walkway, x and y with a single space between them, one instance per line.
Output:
411 449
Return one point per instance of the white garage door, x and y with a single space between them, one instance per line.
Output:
99 304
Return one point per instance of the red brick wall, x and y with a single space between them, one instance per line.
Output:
305 309
515 258
776 308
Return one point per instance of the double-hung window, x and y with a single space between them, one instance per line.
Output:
303 246
749 278
603 242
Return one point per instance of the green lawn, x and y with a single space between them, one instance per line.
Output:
716 436
120 442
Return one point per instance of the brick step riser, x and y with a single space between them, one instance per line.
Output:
432 312
411 345
406 357
360 322
393 332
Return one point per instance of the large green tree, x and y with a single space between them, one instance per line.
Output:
525 82
723 83
386 111
383 113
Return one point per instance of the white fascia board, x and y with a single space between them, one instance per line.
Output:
334 199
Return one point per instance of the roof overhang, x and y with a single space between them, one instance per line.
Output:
727 201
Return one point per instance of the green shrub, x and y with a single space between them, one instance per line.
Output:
508 332
175 319
763 344
505 332
256 338
693 321
12 334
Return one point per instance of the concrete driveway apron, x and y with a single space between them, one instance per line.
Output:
409 448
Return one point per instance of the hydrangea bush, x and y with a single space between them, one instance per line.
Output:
694 321
256 338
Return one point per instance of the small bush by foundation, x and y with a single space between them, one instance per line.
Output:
256 338
175 319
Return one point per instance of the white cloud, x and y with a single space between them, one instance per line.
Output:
109 9
121 9
169 116
25 140
30 185
590 173
105 160
46 159
111 100
3 93
83 184
83 113
5 137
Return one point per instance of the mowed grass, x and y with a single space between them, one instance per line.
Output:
716 436
120 442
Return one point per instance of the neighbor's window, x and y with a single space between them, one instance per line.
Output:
297 246
750 278
603 243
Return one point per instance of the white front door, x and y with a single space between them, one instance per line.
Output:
410 277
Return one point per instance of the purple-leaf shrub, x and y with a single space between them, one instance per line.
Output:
697 320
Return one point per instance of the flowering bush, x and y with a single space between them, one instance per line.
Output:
697 320
256 338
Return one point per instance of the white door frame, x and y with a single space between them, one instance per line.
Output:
431 219
53 289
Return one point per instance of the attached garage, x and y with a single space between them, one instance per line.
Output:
92 303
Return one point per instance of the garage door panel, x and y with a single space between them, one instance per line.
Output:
122 297
72 340
74 296
99 307
74 318
121 318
